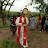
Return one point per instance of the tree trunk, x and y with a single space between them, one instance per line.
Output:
3 21
8 11
2 15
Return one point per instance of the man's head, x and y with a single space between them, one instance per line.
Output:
14 15
39 14
44 15
30 15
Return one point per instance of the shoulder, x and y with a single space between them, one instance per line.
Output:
18 17
33 17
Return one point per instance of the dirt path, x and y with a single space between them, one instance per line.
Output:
35 38
5 33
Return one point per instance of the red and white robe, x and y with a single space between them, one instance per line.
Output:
21 30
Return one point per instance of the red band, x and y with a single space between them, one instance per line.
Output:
24 33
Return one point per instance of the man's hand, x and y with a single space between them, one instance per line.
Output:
24 24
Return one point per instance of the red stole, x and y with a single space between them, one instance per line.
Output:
24 32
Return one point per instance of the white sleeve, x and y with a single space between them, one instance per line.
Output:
17 22
27 21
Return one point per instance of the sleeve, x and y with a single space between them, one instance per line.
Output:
27 21
9 19
45 18
17 22
34 20
45 22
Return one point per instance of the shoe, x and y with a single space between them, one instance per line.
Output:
22 47
42 30
39 31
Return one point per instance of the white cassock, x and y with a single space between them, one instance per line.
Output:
21 31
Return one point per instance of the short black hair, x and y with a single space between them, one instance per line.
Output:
22 12
39 14
30 15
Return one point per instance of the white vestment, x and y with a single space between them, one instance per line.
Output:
22 29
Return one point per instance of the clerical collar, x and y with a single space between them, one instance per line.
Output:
22 16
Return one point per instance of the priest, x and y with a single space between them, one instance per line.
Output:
21 24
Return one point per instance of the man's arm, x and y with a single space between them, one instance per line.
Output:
17 22
10 19
27 21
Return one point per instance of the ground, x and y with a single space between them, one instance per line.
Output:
35 38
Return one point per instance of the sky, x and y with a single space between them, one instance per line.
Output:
20 5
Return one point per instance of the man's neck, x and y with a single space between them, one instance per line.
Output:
23 16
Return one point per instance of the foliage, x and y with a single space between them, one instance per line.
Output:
3 3
35 14
11 13
42 5
46 9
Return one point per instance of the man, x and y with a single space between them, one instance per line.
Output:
39 18
29 18
12 24
32 22
37 23
42 23
46 27
21 24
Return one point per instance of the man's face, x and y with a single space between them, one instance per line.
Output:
14 15
44 14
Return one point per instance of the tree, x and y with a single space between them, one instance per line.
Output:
46 10
2 11
3 3
42 5
9 10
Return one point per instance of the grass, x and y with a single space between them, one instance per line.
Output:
7 44
0 18
35 39
5 26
